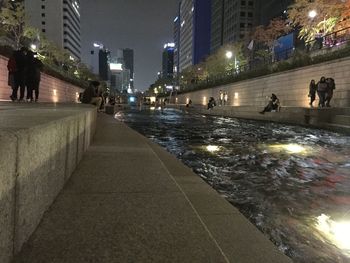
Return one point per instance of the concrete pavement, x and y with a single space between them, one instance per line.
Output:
131 201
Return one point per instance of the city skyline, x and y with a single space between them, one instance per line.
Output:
145 33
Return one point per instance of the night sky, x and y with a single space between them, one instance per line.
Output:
143 25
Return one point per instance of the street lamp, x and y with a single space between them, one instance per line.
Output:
312 14
229 54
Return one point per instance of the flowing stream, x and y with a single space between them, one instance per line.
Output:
292 182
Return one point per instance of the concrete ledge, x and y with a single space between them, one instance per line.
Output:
40 146
324 118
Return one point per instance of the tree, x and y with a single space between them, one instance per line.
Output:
316 17
268 35
13 20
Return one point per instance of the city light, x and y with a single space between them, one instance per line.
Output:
171 45
229 54
312 14
33 47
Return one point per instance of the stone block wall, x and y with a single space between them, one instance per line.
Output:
291 87
51 89
35 163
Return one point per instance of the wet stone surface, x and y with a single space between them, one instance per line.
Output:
292 182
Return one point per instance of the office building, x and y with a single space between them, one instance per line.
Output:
177 43
59 21
168 61
194 32
270 9
231 21
104 64
128 62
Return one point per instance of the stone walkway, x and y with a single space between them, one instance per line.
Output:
131 201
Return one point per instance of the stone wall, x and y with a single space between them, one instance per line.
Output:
291 87
39 150
51 89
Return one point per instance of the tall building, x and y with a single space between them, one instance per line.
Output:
232 20
128 56
104 64
177 43
194 32
59 21
168 61
270 9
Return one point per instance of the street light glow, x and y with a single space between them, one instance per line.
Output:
312 14
229 54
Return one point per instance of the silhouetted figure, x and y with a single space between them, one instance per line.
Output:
329 91
312 92
33 76
19 76
211 103
273 105
90 96
189 103
322 87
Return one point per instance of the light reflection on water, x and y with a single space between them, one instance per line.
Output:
282 178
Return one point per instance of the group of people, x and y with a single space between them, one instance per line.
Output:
324 88
24 70
223 97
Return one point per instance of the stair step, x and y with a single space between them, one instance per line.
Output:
341 119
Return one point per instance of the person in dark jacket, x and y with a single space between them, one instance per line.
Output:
273 105
20 74
33 76
211 103
329 91
90 96
312 92
322 87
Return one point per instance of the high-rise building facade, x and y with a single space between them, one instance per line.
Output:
232 20
177 42
194 32
59 21
270 9
128 57
168 61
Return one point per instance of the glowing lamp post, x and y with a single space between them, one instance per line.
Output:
312 14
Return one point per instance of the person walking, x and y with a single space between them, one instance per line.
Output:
312 92
221 97
33 76
20 74
321 91
330 90
225 98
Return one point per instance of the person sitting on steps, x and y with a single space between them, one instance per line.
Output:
274 105
90 96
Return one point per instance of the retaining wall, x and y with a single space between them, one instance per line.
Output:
39 150
51 89
291 87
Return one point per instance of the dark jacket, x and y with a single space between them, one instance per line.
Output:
88 94
34 70
322 86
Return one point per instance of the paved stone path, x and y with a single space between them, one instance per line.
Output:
131 201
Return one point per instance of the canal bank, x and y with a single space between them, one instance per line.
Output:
131 201
333 119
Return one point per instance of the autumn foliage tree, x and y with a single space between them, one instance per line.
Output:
328 15
268 35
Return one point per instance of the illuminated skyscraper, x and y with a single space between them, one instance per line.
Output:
59 21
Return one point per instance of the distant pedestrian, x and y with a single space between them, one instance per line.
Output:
221 97
330 90
11 67
321 91
33 76
90 95
225 97
20 74
312 92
